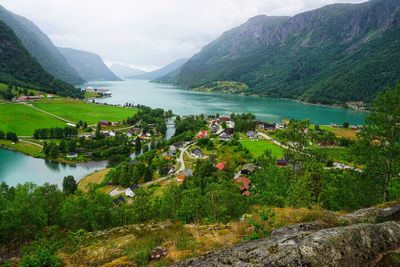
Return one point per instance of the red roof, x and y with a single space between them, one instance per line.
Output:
220 166
244 183
202 134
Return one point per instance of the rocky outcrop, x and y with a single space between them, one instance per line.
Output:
358 244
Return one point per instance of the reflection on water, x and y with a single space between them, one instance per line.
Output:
18 168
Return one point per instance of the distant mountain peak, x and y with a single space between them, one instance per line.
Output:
162 71
88 64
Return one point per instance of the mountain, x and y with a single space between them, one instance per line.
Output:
152 75
125 71
18 67
89 65
40 47
338 53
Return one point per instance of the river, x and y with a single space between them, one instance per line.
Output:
18 168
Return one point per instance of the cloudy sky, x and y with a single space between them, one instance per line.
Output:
147 33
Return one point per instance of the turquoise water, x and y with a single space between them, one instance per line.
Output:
184 102
17 168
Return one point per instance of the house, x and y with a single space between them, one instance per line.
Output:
224 136
220 166
251 134
72 155
130 191
201 134
119 201
282 162
225 118
229 131
184 174
50 96
244 184
214 129
116 123
172 150
248 169
105 123
197 153
135 131
109 133
268 126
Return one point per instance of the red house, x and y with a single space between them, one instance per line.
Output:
220 166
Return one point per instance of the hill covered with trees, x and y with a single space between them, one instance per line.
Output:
338 53
40 47
19 68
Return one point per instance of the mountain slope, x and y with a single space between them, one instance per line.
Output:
160 72
334 54
40 47
89 65
125 71
18 67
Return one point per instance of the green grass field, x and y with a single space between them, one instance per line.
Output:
26 148
23 120
75 111
257 148
339 154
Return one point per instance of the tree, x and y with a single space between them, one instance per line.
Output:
12 137
379 141
346 125
69 184
148 174
98 133
2 135
138 144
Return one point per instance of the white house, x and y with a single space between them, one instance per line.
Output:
130 191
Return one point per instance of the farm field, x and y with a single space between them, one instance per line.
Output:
23 120
257 147
75 110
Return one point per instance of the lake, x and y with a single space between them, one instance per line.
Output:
183 102
17 168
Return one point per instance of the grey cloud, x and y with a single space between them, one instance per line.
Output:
147 33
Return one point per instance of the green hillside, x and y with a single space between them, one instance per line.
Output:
18 67
335 54
40 47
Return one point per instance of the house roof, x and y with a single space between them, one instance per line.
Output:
250 167
244 183
119 200
220 166
229 131
197 151
133 187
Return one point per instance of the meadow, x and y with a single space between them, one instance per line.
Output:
23 120
257 147
75 110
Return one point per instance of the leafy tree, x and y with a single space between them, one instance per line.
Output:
2 135
138 145
12 137
346 125
41 256
379 141
69 184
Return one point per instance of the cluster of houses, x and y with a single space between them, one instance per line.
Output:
101 91
31 98
243 181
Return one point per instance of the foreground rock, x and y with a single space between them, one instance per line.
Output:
358 244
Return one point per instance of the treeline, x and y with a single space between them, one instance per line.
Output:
55 133
11 136
189 125
244 122
148 116
141 169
